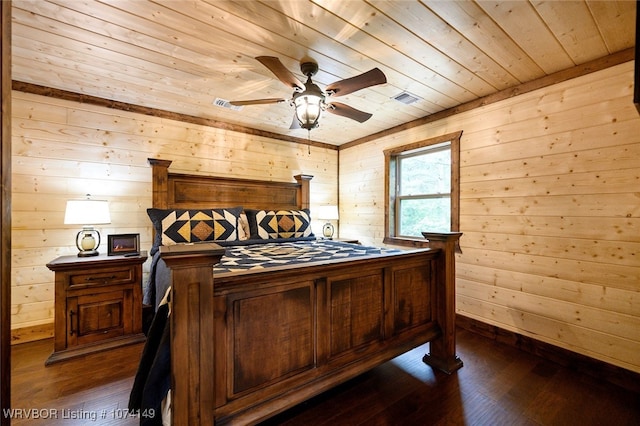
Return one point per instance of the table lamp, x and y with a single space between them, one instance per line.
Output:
84 212
328 213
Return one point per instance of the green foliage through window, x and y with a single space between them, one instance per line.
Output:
424 190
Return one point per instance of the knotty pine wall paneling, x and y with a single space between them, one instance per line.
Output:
64 149
550 212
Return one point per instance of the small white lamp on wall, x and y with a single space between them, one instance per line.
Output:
328 213
87 213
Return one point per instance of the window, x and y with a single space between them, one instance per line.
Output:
422 188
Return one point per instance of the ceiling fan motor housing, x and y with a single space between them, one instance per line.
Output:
309 68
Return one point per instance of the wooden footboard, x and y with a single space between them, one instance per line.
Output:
252 345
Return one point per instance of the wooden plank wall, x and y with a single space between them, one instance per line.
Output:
63 150
550 212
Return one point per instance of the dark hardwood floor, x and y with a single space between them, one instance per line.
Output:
498 385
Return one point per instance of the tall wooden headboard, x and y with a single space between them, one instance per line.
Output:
186 191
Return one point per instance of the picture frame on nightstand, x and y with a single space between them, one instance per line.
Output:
123 244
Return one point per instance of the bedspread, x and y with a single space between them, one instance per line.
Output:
263 255
260 256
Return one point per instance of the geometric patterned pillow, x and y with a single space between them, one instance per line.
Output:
190 226
272 224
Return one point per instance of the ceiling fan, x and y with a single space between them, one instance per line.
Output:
310 100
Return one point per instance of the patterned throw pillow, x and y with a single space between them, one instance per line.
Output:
191 226
272 224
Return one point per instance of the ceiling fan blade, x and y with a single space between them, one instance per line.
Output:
349 112
279 70
350 85
258 101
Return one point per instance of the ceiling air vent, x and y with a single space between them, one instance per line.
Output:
406 98
226 104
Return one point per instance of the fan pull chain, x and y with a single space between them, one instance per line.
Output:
309 139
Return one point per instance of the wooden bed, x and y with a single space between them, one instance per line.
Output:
250 345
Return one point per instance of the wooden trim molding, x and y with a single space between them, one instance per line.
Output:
31 334
549 80
577 71
36 89
601 370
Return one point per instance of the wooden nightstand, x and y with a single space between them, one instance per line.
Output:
98 304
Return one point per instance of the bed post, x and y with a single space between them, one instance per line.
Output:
442 353
159 179
192 332
304 192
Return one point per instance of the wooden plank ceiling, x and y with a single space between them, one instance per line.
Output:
180 56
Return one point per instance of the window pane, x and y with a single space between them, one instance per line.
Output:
431 214
429 173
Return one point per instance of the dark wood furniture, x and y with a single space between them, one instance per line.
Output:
253 344
98 304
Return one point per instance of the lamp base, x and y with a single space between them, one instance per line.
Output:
87 242
88 253
327 231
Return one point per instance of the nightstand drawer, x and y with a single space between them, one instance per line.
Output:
111 276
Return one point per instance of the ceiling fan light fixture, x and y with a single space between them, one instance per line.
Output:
308 110
309 105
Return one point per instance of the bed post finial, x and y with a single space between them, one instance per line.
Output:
159 180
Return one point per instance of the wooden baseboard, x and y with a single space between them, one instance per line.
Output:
601 370
30 334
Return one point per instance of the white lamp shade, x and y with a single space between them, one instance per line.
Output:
328 212
87 212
